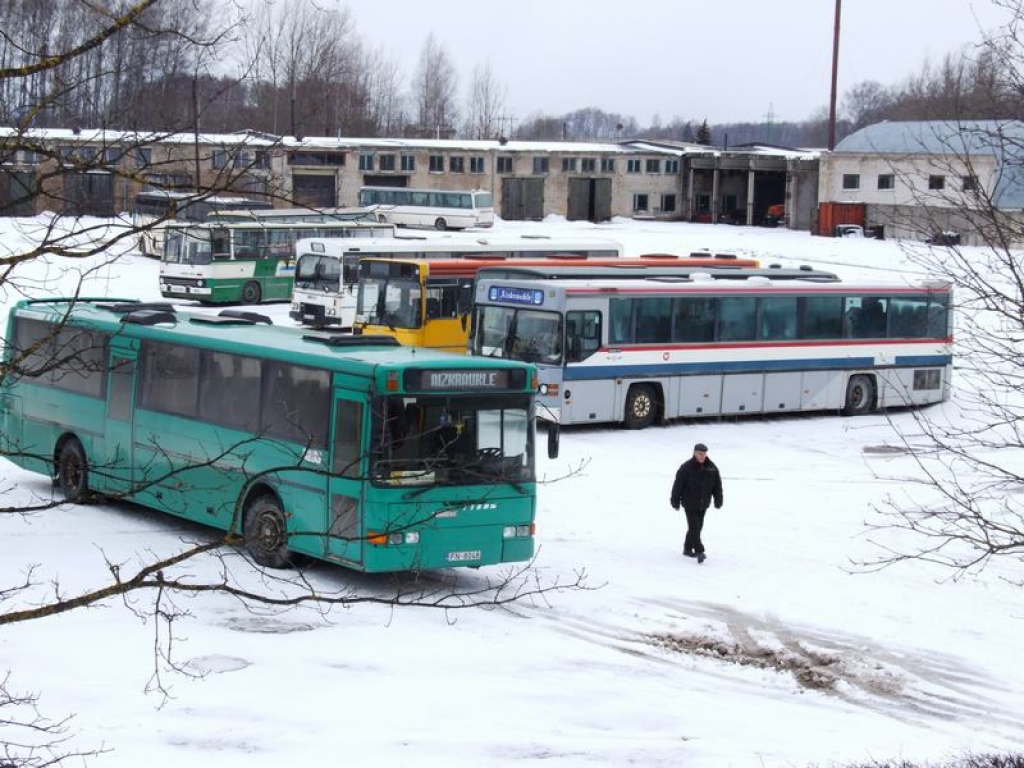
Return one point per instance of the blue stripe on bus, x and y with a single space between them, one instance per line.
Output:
906 361
579 373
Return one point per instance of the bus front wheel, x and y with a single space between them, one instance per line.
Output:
641 407
73 472
266 533
860 396
251 293
440 224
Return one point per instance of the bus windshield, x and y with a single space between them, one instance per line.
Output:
389 294
318 272
520 334
188 246
439 440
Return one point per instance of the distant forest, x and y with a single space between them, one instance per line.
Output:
297 69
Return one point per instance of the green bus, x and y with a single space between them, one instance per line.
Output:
348 449
243 262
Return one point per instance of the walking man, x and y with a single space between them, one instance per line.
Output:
697 484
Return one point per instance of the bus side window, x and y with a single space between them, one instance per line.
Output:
582 334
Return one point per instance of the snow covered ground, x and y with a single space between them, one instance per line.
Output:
783 649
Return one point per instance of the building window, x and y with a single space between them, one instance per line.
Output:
366 162
568 165
112 155
654 166
219 158
315 158
886 181
969 183
671 166
408 162
143 157
936 182
505 165
456 164
540 165
476 165
668 203
633 166
67 153
640 203
607 165
851 181
588 164
387 162
437 163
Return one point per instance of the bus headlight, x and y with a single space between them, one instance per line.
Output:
517 531
549 389
408 537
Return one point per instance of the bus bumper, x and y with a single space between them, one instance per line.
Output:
180 290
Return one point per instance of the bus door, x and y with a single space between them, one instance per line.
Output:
119 444
446 313
349 465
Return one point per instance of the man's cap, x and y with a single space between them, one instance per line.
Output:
700 447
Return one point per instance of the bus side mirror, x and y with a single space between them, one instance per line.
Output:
553 430
464 319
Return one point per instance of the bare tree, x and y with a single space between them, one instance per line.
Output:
387 112
434 89
486 104
964 502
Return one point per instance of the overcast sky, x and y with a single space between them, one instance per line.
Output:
726 61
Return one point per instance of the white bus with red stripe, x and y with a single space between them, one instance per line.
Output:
640 351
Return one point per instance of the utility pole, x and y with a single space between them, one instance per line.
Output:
835 77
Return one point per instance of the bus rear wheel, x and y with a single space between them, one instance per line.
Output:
641 407
860 396
440 224
251 293
266 533
73 472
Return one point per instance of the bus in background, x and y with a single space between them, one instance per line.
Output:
351 450
440 209
291 215
428 302
641 351
155 208
243 262
326 277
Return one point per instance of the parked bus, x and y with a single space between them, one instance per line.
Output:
291 215
641 351
440 209
155 208
326 276
428 302
243 262
352 450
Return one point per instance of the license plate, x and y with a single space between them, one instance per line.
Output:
461 557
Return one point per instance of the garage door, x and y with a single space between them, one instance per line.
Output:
314 191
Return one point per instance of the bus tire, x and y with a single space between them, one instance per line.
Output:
251 293
73 472
265 533
440 224
641 406
860 396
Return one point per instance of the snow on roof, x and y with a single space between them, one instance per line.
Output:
682 148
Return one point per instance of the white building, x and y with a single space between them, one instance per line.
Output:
920 179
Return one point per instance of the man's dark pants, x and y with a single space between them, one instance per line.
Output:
694 524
